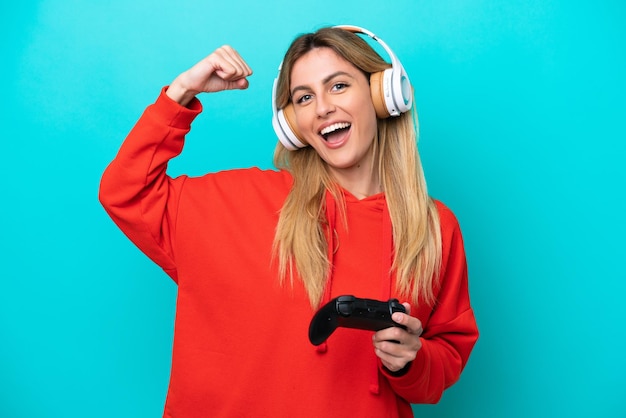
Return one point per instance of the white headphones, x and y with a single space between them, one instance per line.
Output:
390 89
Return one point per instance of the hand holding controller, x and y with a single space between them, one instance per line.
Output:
351 312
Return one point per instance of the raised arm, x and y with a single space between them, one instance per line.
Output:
135 189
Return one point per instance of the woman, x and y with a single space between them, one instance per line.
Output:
255 253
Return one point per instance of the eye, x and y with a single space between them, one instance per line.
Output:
339 86
303 99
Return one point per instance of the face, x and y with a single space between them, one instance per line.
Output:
335 114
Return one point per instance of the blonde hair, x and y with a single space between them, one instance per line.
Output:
300 241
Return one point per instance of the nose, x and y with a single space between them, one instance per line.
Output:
324 105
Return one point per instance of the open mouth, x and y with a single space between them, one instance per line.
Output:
334 131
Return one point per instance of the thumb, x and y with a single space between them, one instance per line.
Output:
240 84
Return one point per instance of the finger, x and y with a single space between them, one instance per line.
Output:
236 57
228 70
392 362
395 335
407 307
390 348
230 64
240 84
232 54
412 324
397 342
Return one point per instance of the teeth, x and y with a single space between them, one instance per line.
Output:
334 127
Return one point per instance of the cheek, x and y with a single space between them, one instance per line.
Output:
372 122
368 113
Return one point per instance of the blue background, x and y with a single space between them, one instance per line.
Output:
522 115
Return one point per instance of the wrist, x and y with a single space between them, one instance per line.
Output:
400 372
179 93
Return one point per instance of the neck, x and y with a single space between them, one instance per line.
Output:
360 182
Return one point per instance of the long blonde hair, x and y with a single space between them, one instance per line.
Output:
300 243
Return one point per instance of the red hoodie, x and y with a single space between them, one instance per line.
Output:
241 344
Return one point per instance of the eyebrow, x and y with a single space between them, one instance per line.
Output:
324 81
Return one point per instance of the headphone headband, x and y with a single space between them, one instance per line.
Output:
357 29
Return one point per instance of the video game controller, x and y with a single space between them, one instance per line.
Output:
351 312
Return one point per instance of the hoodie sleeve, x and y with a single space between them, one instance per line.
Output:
450 331
135 190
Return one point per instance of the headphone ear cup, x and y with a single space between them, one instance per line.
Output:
391 92
402 92
286 130
290 118
377 91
